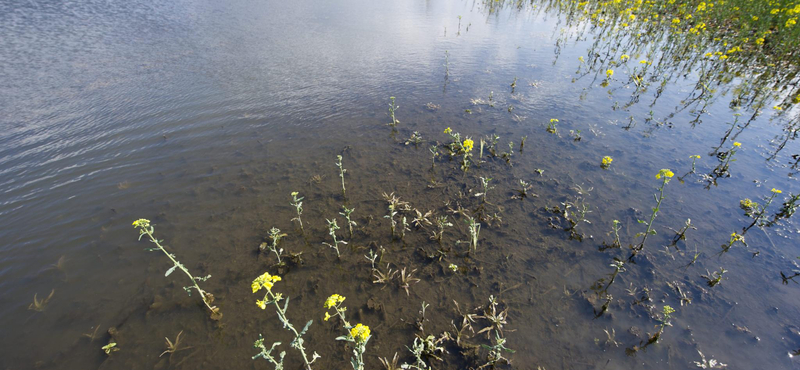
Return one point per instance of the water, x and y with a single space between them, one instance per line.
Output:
203 117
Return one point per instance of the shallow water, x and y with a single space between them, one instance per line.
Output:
203 117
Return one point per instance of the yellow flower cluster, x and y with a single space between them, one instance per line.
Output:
447 130
737 144
468 144
736 238
360 333
776 191
747 204
607 161
333 301
141 223
666 173
265 281
609 73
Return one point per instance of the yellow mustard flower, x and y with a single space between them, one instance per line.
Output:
737 144
141 223
609 73
694 156
262 304
553 120
468 144
776 191
777 107
580 58
625 57
791 22
265 281
327 316
607 161
360 333
447 130
333 301
666 173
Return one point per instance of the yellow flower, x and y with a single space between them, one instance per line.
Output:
607 161
737 144
776 191
694 156
580 58
264 281
360 333
553 120
676 20
755 18
777 108
262 304
609 73
333 301
468 144
141 223
625 57
791 22
327 316
666 173
447 130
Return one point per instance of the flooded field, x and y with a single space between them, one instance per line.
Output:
531 185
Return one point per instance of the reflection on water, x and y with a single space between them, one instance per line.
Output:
204 117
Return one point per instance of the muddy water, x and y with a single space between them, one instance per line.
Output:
203 117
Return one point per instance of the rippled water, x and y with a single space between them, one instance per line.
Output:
204 116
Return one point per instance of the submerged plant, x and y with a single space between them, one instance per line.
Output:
392 109
358 335
342 170
551 127
276 235
615 227
714 278
709 364
297 203
266 282
173 347
474 229
415 139
39 305
406 279
110 348
522 141
522 192
496 352
350 223
735 237
332 227
441 223
146 229
664 175
485 184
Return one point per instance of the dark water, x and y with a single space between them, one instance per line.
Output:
204 116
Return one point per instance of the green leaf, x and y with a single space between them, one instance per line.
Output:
170 270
